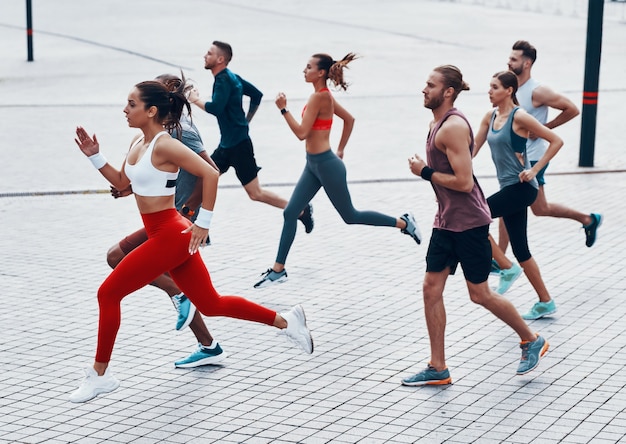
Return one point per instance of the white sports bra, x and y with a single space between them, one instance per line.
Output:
147 180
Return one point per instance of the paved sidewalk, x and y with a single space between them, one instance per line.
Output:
360 286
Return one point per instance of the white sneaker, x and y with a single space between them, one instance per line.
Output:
94 385
296 330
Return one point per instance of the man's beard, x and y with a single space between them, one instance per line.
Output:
435 102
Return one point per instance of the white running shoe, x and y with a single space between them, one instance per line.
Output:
94 385
296 330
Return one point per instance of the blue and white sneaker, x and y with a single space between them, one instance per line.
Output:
429 376
531 354
411 227
186 310
271 277
202 356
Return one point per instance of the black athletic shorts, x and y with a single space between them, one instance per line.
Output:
470 248
241 158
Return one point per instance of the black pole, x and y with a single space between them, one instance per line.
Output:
29 30
592 77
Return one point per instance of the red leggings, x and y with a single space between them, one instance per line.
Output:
166 250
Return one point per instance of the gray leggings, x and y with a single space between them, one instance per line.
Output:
328 171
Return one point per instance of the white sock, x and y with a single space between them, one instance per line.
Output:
210 347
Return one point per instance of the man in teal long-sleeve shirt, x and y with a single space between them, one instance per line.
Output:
235 148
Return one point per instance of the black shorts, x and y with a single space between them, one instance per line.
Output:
471 248
241 158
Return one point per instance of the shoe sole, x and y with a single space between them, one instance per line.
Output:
544 350
417 237
211 360
100 391
543 315
312 343
269 283
421 383
192 313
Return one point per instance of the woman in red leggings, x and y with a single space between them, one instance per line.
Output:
152 165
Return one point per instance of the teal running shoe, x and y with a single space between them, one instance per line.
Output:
202 356
539 310
507 277
428 376
186 310
591 230
531 354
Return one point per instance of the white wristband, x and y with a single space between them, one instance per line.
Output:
203 220
98 160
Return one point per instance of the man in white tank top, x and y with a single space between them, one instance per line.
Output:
536 99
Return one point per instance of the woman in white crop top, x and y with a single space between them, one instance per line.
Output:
173 241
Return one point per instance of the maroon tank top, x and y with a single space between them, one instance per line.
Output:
457 211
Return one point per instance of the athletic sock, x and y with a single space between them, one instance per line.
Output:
210 347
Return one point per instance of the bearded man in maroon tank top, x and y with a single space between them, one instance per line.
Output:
460 230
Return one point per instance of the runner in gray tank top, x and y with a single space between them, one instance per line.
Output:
504 128
537 99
